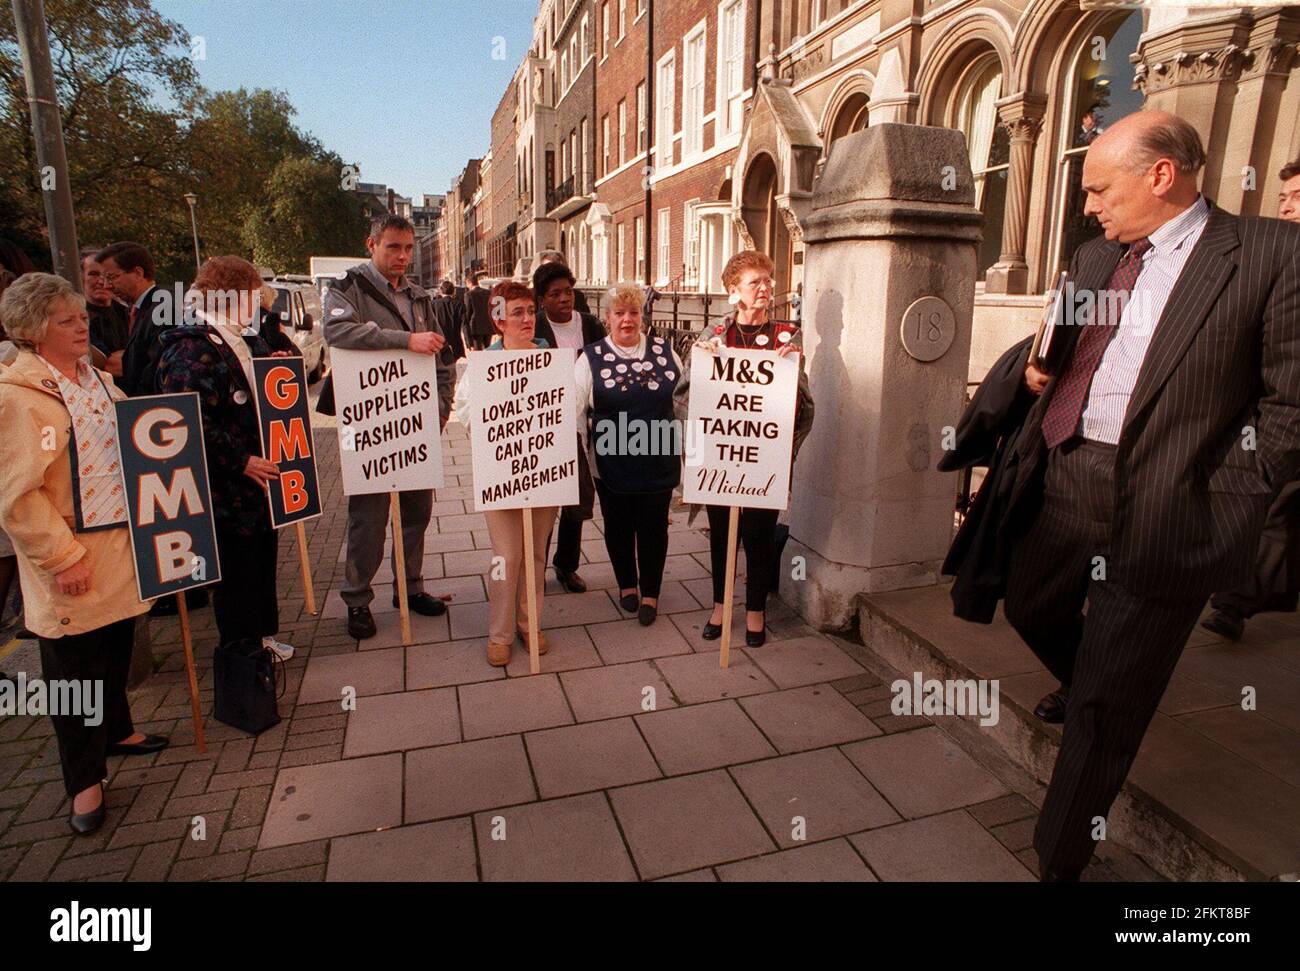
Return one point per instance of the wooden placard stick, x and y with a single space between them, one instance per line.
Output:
195 708
308 590
729 592
530 578
399 566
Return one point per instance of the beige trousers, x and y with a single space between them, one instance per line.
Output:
507 592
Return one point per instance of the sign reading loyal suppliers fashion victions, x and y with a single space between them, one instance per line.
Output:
169 502
523 430
740 428
387 406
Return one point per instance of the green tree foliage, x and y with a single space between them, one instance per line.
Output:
141 132
305 212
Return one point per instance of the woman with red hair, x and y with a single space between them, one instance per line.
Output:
514 315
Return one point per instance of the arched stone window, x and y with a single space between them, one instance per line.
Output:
989 146
1098 91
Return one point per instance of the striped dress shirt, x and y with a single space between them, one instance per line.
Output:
1171 245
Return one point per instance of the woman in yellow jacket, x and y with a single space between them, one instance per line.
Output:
62 502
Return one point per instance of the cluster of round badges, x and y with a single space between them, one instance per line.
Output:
624 375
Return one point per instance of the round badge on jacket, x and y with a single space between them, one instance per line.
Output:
47 383
215 339
241 397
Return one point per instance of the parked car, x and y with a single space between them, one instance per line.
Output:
299 307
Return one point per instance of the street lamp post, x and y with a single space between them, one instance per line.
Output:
191 198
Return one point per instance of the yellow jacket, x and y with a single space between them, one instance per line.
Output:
36 510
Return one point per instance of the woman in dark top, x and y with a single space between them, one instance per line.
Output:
213 355
748 280
625 388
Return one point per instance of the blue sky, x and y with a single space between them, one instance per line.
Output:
404 88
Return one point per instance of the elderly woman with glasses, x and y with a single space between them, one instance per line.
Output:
63 504
514 316
625 385
213 356
747 278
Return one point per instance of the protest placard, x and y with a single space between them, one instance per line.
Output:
740 428
523 429
387 406
169 507
284 423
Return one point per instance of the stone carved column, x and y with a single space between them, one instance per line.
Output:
1022 117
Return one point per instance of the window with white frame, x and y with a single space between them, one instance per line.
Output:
582 251
575 65
564 70
693 92
604 30
640 118
604 141
638 233
622 131
622 18
640 7
691 245
620 247
666 90
585 171
573 156
662 270
730 84
586 44
989 147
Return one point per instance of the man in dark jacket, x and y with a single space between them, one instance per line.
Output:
561 326
375 307
452 318
108 317
129 270
481 331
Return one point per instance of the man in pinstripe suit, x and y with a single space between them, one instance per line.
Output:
1145 468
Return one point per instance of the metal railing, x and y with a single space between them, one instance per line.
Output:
559 195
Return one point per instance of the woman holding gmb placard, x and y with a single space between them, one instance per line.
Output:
63 504
747 278
625 388
514 315
213 355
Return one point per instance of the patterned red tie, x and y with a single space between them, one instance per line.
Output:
130 320
1071 392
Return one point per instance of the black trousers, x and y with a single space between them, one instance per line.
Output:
757 529
1116 661
568 534
636 535
102 655
245 602
1275 584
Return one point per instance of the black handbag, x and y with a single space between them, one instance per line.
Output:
244 686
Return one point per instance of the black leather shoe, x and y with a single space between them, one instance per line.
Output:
1052 708
570 581
1225 623
151 744
83 824
361 624
711 632
755 638
425 604
164 607
629 602
647 614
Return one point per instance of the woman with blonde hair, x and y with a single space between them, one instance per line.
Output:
625 388
748 281
63 504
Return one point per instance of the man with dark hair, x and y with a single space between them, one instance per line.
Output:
481 330
375 307
548 256
451 317
1275 583
561 326
108 318
129 271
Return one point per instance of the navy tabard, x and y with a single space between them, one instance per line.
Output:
632 417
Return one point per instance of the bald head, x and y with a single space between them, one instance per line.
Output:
1141 172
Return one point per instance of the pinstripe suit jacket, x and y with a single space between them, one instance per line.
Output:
1225 357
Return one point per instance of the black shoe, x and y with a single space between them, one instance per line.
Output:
23 634
629 602
711 632
647 614
164 607
83 824
570 581
425 604
1225 623
361 624
151 744
1052 708
755 638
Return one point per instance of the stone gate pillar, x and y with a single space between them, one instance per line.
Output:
889 290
